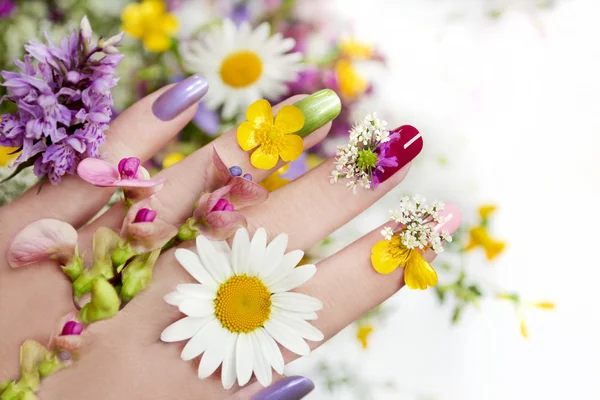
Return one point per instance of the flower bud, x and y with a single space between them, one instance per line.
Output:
121 254
105 302
32 354
85 30
113 41
235 171
49 365
145 215
248 177
188 231
223 205
128 167
75 268
72 328
137 275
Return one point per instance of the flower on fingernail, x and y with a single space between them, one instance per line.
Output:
271 138
364 159
143 231
417 231
128 174
479 235
242 306
44 239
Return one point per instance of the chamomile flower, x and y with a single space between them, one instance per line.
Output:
363 160
418 231
241 307
242 65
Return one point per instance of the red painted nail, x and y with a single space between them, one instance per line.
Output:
406 148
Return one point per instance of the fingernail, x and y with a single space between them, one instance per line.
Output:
291 388
451 218
180 97
406 148
319 108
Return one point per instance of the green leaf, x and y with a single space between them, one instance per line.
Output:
19 168
456 314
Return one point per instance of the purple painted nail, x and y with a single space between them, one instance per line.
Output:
180 97
291 388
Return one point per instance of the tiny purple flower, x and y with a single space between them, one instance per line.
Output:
248 177
145 215
128 167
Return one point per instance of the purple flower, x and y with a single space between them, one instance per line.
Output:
63 102
207 120
384 159
7 7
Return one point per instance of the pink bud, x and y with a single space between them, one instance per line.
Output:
128 167
145 215
223 205
72 328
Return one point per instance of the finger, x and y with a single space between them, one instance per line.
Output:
138 132
311 208
186 180
288 388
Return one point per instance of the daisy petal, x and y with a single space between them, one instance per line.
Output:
201 340
215 262
214 354
296 302
228 373
264 159
292 147
274 254
191 262
197 308
289 261
241 252
262 369
270 350
183 329
287 337
244 356
175 298
257 251
196 290
300 326
296 278
289 119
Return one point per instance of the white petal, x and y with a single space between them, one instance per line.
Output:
262 369
222 246
197 308
196 290
201 340
287 265
214 261
274 255
213 356
298 325
228 373
296 302
241 252
175 298
270 350
244 359
296 278
287 337
183 329
257 251
191 262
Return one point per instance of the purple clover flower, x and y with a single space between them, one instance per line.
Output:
63 102
7 7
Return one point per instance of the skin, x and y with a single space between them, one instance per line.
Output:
124 354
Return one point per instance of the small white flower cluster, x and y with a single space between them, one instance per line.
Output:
418 221
364 135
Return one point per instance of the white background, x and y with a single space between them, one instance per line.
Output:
513 104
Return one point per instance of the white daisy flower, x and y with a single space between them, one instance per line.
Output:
242 307
242 65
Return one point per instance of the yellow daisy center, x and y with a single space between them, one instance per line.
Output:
241 69
243 303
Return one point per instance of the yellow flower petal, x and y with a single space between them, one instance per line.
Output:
293 145
133 23
418 274
246 136
362 334
545 305
486 210
260 112
479 236
157 42
524 331
5 156
262 159
169 24
351 83
172 159
382 259
274 182
289 119
355 49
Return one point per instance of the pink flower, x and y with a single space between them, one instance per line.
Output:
68 334
217 215
42 240
143 230
129 175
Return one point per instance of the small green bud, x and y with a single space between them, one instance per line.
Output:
28 394
105 302
121 254
83 284
366 159
75 268
50 365
137 275
32 354
105 242
188 231
11 392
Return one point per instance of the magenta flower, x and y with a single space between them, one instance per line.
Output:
384 159
68 334
143 231
45 239
7 7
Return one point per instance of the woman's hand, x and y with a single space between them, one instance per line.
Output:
124 354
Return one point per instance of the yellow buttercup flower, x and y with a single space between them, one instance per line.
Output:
486 210
363 332
523 328
5 156
150 21
480 237
351 84
172 159
387 255
271 137
275 181
544 305
355 49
